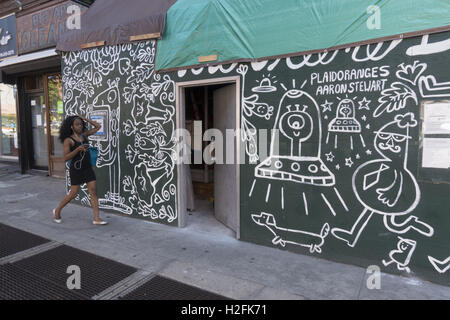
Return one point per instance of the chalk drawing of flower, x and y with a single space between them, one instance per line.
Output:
159 142
242 69
129 128
85 87
71 57
411 73
130 154
169 214
97 79
105 59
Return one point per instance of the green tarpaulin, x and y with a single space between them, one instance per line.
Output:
252 29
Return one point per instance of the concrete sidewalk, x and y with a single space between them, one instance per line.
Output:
199 255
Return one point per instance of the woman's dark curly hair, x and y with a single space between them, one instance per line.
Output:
66 127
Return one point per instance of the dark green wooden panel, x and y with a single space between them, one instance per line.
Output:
135 170
311 209
382 81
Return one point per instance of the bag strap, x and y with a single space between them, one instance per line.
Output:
85 139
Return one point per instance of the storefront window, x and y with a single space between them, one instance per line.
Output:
9 141
55 101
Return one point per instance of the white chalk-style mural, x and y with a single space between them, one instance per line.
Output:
404 91
107 104
426 47
298 121
402 255
431 88
135 152
373 52
283 236
441 266
385 186
348 125
323 58
251 106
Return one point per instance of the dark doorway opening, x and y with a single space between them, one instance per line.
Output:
207 107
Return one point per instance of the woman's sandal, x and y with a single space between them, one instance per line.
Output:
99 223
54 217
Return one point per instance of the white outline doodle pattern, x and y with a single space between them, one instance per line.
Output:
283 236
151 125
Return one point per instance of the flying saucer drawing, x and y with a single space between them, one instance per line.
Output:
264 86
299 123
345 120
345 123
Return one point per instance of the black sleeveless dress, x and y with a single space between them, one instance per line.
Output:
80 167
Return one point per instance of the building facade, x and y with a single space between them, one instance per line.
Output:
31 89
360 174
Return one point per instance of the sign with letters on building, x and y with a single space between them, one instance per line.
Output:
8 44
42 29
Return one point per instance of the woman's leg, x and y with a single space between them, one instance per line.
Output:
69 197
92 188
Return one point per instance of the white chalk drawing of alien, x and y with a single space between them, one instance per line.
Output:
298 120
345 123
385 186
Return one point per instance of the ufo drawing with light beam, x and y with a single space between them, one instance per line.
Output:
264 86
345 120
300 131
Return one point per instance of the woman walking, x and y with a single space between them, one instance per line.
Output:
73 134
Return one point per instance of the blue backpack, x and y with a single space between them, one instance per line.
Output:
93 153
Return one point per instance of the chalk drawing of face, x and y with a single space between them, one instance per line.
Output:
346 109
296 124
406 245
264 110
390 141
404 252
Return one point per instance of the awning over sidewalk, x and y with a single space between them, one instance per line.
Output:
252 29
30 62
110 22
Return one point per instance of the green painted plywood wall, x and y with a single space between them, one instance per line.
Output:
135 171
347 182
350 186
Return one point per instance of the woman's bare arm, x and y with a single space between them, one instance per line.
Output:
67 153
96 125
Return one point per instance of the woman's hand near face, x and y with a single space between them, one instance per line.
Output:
96 125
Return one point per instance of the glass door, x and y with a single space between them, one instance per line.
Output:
36 103
53 89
